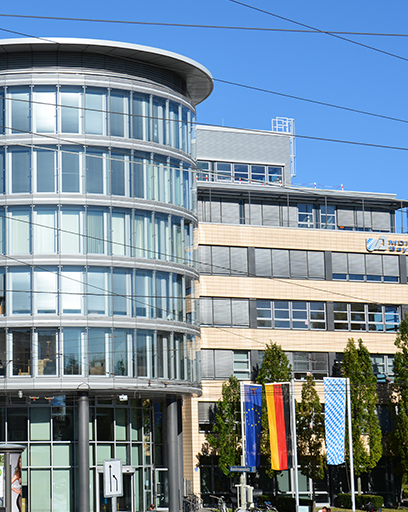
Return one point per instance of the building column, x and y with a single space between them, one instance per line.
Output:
173 454
83 452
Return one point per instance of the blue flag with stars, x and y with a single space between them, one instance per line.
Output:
253 417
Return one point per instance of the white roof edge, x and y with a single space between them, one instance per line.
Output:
198 78
242 130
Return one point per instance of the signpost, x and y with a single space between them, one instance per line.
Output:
112 480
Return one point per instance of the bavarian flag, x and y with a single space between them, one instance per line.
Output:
253 420
279 419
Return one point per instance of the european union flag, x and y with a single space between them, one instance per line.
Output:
253 417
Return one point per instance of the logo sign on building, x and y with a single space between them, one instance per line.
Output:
112 478
383 244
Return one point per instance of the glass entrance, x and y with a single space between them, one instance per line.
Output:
162 489
124 503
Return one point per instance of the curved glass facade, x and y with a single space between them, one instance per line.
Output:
97 273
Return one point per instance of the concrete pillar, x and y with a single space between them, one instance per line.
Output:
173 454
83 451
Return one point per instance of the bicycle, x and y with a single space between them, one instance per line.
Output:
191 503
222 506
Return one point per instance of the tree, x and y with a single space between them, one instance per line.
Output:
275 367
225 438
400 402
367 437
310 432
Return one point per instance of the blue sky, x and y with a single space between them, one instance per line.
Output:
315 66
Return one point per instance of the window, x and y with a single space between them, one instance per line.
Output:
383 367
95 115
120 292
257 173
20 289
365 317
44 109
45 234
95 181
224 312
275 175
119 110
305 216
206 415
19 104
47 352
241 364
45 291
21 352
20 171
118 164
70 101
327 217
365 267
140 116
291 315
71 294
119 363
223 171
241 172
71 241
45 170
97 291
118 233
304 363
70 165
158 120
20 231
96 351
95 231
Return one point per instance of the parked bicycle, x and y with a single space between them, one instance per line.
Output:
191 503
221 505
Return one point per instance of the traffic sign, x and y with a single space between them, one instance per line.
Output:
242 469
112 478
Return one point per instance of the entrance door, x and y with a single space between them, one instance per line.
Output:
162 489
124 503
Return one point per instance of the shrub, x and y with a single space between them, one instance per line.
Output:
343 500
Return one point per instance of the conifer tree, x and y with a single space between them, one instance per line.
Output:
310 432
367 436
225 439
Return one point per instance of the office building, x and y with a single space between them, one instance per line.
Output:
305 267
97 323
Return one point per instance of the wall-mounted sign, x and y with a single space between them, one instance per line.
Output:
383 244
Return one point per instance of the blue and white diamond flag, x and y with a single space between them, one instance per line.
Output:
335 418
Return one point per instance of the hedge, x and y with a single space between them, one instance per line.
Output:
344 500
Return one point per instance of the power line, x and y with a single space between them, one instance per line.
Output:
195 25
337 36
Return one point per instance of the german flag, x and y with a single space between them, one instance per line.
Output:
279 418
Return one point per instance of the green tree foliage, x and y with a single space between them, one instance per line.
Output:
275 367
367 437
310 432
400 433
225 438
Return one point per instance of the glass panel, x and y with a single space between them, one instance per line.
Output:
97 290
159 109
143 342
70 100
95 101
44 231
144 293
95 232
69 170
70 232
47 358
44 110
61 455
119 350
104 422
136 424
162 309
63 426
40 498
20 231
174 125
45 165
71 295
40 424
20 109
120 292
118 174
45 292
140 116
62 490
121 425
118 234
20 171
281 312
72 351
94 172
40 455
21 292
17 420
119 108
96 351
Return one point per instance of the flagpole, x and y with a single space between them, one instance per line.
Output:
294 440
243 445
350 432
